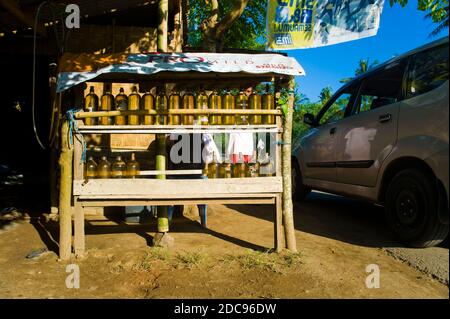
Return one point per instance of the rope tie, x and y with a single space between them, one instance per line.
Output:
73 127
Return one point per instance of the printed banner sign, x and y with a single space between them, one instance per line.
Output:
298 24
78 68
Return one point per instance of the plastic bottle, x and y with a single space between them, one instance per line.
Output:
268 103
188 104
255 105
202 104
242 104
161 105
228 103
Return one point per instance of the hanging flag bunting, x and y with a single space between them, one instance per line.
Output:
299 24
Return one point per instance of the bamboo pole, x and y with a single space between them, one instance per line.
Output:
286 172
83 115
65 193
163 218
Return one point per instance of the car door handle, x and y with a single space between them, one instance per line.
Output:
385 118
333 130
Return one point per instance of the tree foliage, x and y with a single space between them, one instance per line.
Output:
437 12
214 25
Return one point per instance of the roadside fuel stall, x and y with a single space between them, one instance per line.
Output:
114 147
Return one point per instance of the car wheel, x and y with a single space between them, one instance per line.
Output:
412 209
299 190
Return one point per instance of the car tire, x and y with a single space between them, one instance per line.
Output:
299 191
412 209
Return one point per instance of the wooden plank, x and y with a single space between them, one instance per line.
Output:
172 172
170 188
187 196
165 202
79 236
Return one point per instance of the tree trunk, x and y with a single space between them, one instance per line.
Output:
286 149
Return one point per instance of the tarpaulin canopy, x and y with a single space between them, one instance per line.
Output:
78 68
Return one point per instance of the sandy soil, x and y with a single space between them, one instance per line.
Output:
226 261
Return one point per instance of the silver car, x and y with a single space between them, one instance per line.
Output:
383 138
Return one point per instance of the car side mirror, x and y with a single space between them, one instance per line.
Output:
309 119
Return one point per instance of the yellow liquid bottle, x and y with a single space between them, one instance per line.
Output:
134 102
133 169
228 103
212 168
188 104
91 105
148 101
103 168
202 104
225 169
119 168
268 103
161 106
121 104
255 105
242 104
215 103
107 102
174 104
90 168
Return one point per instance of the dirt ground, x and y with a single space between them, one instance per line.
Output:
229 260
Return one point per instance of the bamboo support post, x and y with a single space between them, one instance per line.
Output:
288 215
163 11
65 194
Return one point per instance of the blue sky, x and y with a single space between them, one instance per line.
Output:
401 29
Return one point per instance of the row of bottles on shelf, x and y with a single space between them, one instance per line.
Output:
160 102
255 167
118 169
225 169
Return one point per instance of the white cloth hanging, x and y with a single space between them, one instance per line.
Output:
241 142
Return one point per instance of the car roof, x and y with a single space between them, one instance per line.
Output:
397 58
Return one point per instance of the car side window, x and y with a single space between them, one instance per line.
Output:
337 110
381 88
428 70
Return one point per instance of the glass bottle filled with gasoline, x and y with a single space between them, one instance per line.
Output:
225 169
106 104
239 167
228 103
119 168
148 103
91 105
174 104
134 102
215 103
202 104
188 104
121 104
90 168
255 105
161 106
212 168
268 103
133 169
103 168
242 104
